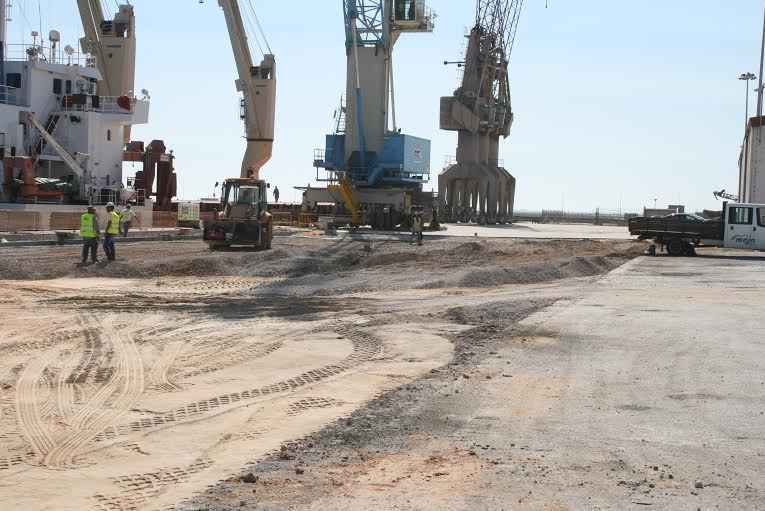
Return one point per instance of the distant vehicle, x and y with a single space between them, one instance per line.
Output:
741 226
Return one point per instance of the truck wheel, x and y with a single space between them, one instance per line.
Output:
675 247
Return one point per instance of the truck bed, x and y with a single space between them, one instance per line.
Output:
666 228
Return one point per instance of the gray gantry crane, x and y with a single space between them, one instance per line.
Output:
477 187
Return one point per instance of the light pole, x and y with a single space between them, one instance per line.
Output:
747 77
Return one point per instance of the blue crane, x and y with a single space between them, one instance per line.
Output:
367 149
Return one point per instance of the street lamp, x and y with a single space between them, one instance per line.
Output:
747 77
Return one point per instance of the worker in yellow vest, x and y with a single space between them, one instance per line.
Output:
112 229
89 232
417 227
126 220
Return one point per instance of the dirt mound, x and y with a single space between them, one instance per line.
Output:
505 312
469 249
390 264
543 271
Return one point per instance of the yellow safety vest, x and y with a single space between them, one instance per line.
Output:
115 228
126 215
87 226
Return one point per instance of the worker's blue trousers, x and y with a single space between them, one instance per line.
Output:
109 247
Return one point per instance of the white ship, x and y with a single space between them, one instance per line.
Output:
66 115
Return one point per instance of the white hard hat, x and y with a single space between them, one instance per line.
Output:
109 204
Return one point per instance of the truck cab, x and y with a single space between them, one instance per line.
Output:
745 226
244 219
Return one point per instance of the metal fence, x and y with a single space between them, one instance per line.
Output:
596 217
12 221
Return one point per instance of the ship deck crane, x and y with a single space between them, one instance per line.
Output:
113 43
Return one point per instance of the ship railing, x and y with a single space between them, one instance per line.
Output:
426 16
415 13
44 52
133 196
101 196
99 104
119 195
11 96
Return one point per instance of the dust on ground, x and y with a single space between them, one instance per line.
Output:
138 384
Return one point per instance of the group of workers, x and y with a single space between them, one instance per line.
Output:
90 231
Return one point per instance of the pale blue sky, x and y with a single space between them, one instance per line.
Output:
631 99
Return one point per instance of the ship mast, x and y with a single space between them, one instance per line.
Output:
3 30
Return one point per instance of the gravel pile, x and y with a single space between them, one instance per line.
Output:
326 267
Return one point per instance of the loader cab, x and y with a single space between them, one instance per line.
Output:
244 198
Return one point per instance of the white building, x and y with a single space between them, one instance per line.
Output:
752 163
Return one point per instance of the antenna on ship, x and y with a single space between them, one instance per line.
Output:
54 37
69 52
4 6
4 19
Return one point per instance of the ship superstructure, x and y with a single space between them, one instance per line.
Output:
63 124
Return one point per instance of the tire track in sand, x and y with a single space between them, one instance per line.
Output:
127 385
158 376
28 411
65 390
366 347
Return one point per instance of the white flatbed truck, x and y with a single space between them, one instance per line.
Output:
741 226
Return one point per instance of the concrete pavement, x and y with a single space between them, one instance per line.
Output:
658 379
530 230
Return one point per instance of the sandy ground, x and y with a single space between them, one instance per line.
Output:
139 384
643 389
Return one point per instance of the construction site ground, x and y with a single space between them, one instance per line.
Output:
517 230
337 374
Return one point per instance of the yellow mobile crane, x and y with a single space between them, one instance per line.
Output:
244 219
